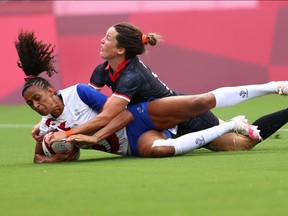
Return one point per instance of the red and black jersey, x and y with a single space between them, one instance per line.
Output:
133 81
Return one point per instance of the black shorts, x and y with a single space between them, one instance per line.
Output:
204 121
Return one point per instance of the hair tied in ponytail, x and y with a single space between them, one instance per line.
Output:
144 39
29 77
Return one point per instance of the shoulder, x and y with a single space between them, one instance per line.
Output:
130 78
69 90
101 67
91 96
100 70
87 90
136 62
138 69
134 70
84 91
99 76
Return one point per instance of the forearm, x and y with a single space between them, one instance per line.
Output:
111 109
93 124
116 124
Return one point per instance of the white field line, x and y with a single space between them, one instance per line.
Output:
16 126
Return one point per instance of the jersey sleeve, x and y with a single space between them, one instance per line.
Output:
91 97
98 77
129 84
44 128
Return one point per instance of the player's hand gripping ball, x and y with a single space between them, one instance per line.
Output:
51 149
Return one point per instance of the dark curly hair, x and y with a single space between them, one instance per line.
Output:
35 57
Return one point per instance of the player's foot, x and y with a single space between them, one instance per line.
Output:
242 127
254 133
282 88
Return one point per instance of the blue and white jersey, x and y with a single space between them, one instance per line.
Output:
82 103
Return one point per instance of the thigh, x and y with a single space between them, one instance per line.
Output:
170 111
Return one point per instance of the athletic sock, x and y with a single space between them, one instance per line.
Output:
229 96
191 141
270 123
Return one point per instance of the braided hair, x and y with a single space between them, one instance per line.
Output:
35 57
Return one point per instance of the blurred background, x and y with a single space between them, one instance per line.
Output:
207 44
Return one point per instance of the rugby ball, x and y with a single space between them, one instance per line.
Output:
50 150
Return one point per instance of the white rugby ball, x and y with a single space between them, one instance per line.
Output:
50 150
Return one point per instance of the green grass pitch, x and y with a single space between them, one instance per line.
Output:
199 183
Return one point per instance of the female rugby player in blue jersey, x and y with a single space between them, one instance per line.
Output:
77 104
132 81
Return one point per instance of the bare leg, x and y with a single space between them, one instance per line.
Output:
167 112
170 111
231 142
227 142
155 144
145 143
268 125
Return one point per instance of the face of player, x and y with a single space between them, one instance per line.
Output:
109 51
39 99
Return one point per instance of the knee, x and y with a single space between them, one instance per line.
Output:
161 151
203 102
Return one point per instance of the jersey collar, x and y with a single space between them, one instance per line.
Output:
114 76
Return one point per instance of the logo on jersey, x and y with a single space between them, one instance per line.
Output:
140 110
244 93
77 112
200 141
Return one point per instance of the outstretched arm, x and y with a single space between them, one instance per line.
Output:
119 122
111 109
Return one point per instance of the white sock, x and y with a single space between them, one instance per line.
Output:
191 141
229 96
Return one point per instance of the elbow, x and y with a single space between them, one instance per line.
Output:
129 117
